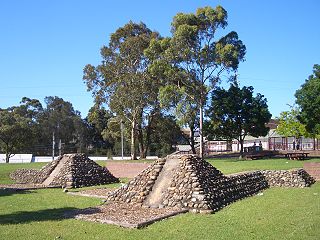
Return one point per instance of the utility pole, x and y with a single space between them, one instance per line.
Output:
121 128
53 143
60 147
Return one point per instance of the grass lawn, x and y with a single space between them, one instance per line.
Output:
234 165
279 213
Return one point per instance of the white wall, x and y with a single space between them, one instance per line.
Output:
99 158
42 159
27 158
17 158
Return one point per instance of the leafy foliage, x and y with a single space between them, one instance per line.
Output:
192 60
236 113
14 131
122 80
289 125
308 99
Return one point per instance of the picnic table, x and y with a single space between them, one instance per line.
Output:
296 155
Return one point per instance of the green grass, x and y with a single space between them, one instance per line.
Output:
6 169
279 213
233 165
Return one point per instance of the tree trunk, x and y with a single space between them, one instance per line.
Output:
200 130
141 143
148 141
241 149
133 140
8 152
7 157
191 141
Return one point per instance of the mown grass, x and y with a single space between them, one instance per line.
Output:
6 169
233 165
279 213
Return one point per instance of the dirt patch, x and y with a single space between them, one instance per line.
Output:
124 215
313 168
98 192
128 170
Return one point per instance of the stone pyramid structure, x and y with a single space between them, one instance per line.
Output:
191 183
69 170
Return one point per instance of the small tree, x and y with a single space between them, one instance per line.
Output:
15 131
289 125
235 113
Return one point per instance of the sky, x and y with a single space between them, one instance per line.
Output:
44 45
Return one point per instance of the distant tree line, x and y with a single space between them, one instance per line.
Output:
33 128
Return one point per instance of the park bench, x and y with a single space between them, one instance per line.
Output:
258 155
296 155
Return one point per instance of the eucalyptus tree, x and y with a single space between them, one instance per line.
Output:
122 79
61 121
194 58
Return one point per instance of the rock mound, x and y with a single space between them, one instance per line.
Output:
69 170
198 186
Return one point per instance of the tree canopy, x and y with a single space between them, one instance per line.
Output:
122 79
308 99
192 60
236 113
289 124
15 131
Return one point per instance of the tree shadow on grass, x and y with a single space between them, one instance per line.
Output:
54 214
9 191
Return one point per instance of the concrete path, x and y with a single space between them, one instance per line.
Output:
55 172
162 183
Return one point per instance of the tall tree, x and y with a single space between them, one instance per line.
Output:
31 109
164 135
308 99
58 122
236 113
193 59
101 134
122 80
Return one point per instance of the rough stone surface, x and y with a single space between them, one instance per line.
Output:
77 171
292 178
34 175
198 186
137 189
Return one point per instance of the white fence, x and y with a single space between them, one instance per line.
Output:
28 158
17 158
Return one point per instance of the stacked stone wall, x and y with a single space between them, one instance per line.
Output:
137 189
77 171
80 171
200 187
288 178
34 175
